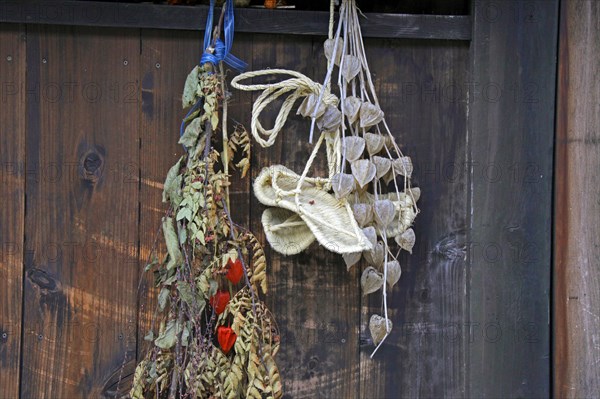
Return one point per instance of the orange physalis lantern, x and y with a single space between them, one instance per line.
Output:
219 301
235 272
226 338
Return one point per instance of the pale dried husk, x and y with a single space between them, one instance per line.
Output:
363 171
376 256
307 107
354 146
328 49
406 240
382 165
384 212
375 142
342 184
371 235
379 327
403 166
371 280
363 213
370 115
331 119
351 108
351 259
350 67
393 272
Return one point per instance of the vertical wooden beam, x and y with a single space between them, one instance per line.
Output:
577 204
513 72
82 211
12 198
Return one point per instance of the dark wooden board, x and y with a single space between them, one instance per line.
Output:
511 126
426 110
577 208
451 27
12 198
82 210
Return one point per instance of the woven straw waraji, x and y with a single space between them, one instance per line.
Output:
328 219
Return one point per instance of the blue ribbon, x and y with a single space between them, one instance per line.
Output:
221 49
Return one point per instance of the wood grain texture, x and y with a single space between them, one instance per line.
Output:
316 302
166 60
82 211
12 197
450 27
422 90
511 125
577 205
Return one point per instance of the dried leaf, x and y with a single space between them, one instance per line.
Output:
350 67
172 243
351 108
403 166
370 114
375 142
331 119
190 87
351 259
376 256
382 165
307 107
363 213
353 147
378 327
342 184
393 272
371 280
364 171
172 186
163 297
328 48
191 133
168 337
406 240
384 212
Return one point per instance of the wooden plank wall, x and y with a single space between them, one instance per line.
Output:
577 204
511 128
12 198
103 118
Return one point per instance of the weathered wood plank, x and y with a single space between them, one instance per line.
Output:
167 58
426 110
12 197
511 126
316 302
450 27
577 208
82 211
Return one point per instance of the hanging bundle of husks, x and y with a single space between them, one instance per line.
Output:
366 202
212 336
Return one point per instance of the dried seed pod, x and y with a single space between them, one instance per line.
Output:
379 327
376 256
353 147
307 107
403 166
370 115
364 171
406 240
371 280
351 107
375 142
350 67
363 213
384 212
371 235
382 165
328 48
406 218
351 259
393 272
342 184
331 119
416 193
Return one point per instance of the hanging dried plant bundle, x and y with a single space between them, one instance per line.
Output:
368 175
213 336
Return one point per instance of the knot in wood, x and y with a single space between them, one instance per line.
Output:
91 166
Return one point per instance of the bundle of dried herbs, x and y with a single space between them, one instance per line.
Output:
212 336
